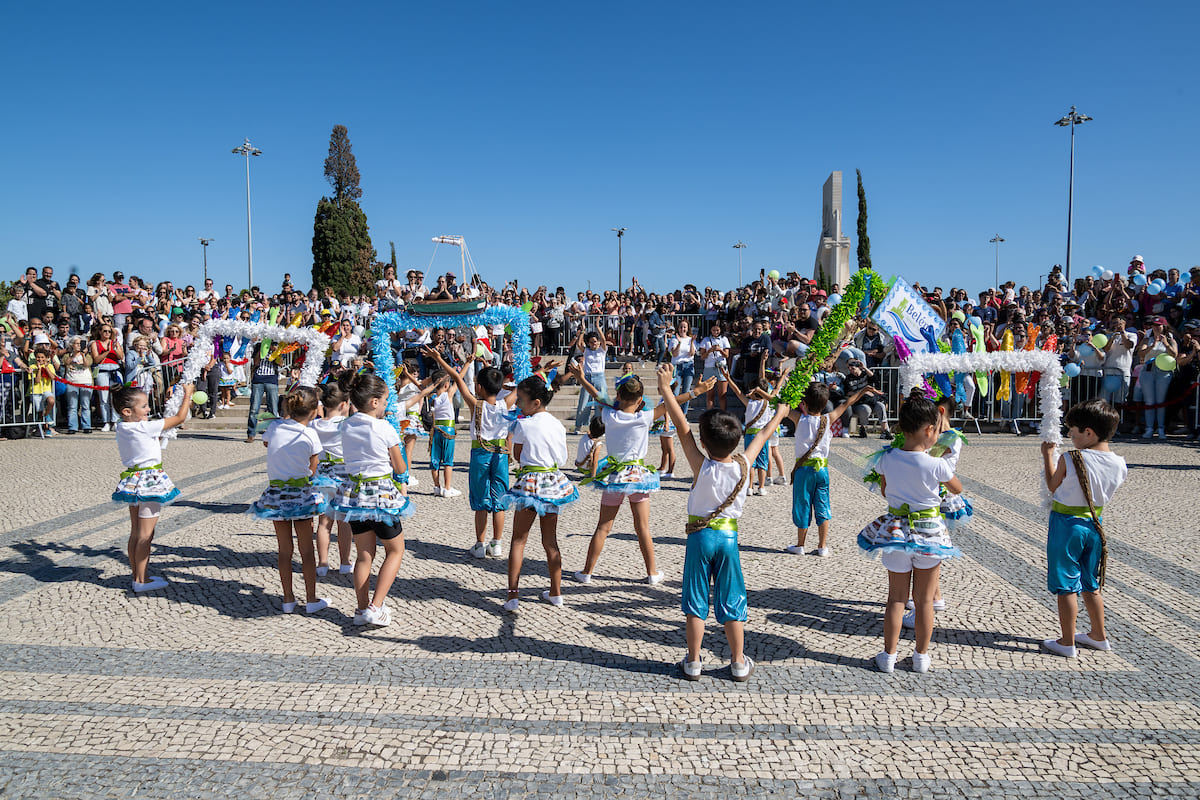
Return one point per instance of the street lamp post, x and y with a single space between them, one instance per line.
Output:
248 150
204 243
620 235
1072 119
996 240
740 246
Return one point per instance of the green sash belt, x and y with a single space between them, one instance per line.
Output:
614 466
332 460
129 473
1075 511
816 462
487 444
361 479
440 425
530 468
905 511
295 482
752 431
718 524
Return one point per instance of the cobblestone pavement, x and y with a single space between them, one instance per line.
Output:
207 690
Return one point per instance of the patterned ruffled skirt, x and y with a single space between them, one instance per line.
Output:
924 536
379 499
145 486
289 501
329 476
415 426
626 479
544 492
957 511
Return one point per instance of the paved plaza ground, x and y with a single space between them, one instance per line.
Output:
207 690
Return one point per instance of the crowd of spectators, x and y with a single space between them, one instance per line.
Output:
108 331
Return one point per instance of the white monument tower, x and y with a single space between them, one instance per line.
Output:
833 251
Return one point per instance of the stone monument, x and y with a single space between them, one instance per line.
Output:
833 251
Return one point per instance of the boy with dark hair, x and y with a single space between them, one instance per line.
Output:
1082 483
714 505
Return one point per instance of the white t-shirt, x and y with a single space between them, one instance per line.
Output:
586 445
137 443
627 436
1106 471
365 445
594 360
443 406
543 440
955 451
715 482
348 347
753 409
329 431
806 431
711 344
405 393
19 309
493 419
913 477
685 350
1120 355
290 445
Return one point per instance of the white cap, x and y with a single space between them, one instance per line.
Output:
1136 258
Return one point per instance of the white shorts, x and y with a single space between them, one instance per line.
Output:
149 510
907 561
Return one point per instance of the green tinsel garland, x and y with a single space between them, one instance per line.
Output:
830 332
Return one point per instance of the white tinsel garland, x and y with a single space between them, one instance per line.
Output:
203 347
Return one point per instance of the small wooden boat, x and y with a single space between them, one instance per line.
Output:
447 308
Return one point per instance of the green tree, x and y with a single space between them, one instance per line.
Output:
341 242
393 246
864 241
341 170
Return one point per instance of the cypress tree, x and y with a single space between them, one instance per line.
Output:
864 241
341 238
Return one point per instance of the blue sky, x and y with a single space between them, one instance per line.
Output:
534 128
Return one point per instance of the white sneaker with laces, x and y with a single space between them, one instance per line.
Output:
494 549
478 550
921 662
885 662
379 617
762 491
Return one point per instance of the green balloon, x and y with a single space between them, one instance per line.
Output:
200 398
1166 362
1099 341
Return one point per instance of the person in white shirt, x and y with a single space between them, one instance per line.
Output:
291 501
441 438
714 349
1118 362
595 356
540 488
683 358
335 405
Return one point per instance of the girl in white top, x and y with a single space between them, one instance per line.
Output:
624 472
487 474
441 441
591 448
683 358
595 355
540 488
143 486
714 349
335 405
410 394
774 457
291 500
370 497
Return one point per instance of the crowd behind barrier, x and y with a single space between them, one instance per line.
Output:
1134 335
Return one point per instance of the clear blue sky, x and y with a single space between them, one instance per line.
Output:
534 128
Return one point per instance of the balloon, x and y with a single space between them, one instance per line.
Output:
1166 362
1113 384
359 330
200 398
774 274
1107 275
1084 350
1071 370
958 315
1099 341
1097 271
976 322
481 351
1153 289
1139 279
834 299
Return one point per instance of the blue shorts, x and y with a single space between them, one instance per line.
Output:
712 557
1072 555
441 449
487 479
810 495
760 461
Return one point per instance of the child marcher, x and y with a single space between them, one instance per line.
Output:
714 506
487 474
331 471
441 438
911 537
757 403
664 428
370 498
591 447
774 456
810 472
540 488
228 381
144 486
1082 483
624 472
291 500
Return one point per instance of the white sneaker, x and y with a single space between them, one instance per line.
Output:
742 670
511 606
150 585
412 481
761 491
691 670
437 491
781 481
105 428
795 549
345 569
1059 650
321 604
379 617
451 492
921 662
552 599
665 475
359 619
655 579
322 571
1082 639
289 608
494 549
823 552
583 577
478 550
885 662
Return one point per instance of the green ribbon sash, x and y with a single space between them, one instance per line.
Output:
816 462
924 513
612 466
1075 511
129 473
294 482
718 524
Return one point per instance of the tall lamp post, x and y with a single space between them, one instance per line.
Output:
620 235
204 243
1072 119
248 150
996 240
740 246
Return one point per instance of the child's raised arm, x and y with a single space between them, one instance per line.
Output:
732 384
178 418
699 390
1054 474
416 399
760 439
687 441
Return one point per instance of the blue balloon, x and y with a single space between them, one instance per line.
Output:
1139 279
976 322
1084 350
834 299
1097 271
1071 370
1113 384
1153 289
